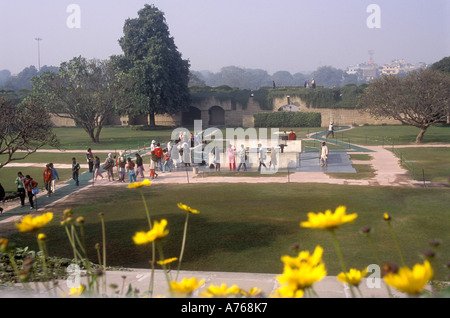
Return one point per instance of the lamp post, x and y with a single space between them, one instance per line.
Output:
39 54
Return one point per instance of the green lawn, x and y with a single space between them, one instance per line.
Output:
247 228
392 135
431 162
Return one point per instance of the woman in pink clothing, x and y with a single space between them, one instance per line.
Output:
231 159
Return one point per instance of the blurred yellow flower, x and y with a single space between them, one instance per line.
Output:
386 217
141 184
410 281
302 277
186 286
167 261
303 257
188 209
30 223
3 244
328 220
301 272
42 237
255 291
221 291
157 232
289 291
74 292
353 277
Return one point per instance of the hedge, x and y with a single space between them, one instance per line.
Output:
288 119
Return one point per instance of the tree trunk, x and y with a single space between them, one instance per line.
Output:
420 135
151 119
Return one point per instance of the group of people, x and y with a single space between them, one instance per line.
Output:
28 187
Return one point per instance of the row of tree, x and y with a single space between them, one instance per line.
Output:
243 78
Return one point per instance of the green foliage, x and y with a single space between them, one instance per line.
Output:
151 58
221 93
288 119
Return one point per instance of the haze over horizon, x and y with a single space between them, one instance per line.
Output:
287 35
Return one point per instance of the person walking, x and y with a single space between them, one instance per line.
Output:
30 185
153 163
75 171
231 159
262 157
131 172
122 162
167 161
330 130
48 178
20 182
241 154
90 160
139 166
55 176
159 153
97 172
109 165
273 158
324 155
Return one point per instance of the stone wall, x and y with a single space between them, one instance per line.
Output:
239 116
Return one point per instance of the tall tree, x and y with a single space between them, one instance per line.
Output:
419 99
24 129
159 73
86 91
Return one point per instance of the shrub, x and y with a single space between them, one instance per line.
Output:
288 119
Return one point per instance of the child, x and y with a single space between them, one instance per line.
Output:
167 161
131 172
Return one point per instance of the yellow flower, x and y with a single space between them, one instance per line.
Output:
386 217
74 292
136 185
30 223
186 286
42 237
3 244
167 261
157 232
289 292
255 291
188 209
410 281
221 291
353 277
302 277
303 257
328 220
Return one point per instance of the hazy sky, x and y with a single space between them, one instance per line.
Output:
291 35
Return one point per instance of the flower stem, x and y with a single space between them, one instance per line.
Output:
369 239
341 260
183 244
396 244
161 257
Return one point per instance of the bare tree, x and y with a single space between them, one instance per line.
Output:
419 99
86 91
24 129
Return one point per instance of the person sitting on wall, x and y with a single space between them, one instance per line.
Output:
292 135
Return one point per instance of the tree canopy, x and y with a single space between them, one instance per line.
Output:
151 58
24 128
419 99
86 91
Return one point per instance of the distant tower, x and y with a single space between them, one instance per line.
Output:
371 53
